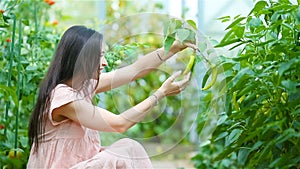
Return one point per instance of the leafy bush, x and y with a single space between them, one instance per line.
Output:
260 127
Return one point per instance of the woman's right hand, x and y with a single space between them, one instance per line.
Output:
171 87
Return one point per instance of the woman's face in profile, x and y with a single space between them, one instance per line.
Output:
103 61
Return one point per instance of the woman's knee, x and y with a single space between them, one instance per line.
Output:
130 142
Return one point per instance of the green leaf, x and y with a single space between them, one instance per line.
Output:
168 43
224 18
288 26
285 66
237 21
258 7
291 86
31 68
237 45
242 156
255 22
11 92
275 162
191 37
239 31
283 8
178 23
202 46
229 42
24 52
24 141
210 51
227 65
182 34
171 28
256 145
173 25
166 28
1 19
25 22
233 136
2 22
241 78
287 134
224 153
248 89
222 135
192 24
222 119
228 36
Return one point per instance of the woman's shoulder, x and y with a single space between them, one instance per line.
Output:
63 90
89 84
63 87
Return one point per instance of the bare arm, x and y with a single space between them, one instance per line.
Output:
138 69
100 119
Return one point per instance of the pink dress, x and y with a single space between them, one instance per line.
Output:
68 144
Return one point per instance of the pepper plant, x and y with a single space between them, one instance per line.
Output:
260 125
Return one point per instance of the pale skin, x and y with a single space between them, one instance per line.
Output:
100 119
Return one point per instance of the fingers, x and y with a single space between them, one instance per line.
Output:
183 83
174 93
191 45
174 76
174 88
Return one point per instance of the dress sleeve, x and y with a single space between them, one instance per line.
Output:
61 95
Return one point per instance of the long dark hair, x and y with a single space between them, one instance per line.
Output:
77 55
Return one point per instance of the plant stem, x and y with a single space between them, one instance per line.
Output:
198 52
18 83
10 68
36 28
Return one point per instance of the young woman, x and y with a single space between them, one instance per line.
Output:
63 129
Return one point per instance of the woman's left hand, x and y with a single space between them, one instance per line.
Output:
178 46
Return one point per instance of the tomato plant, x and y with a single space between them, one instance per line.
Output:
28 48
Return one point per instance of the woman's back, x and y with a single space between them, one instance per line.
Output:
65 143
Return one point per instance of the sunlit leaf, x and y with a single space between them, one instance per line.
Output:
225 43
192 24
234 23
224 18
182 34
258 7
